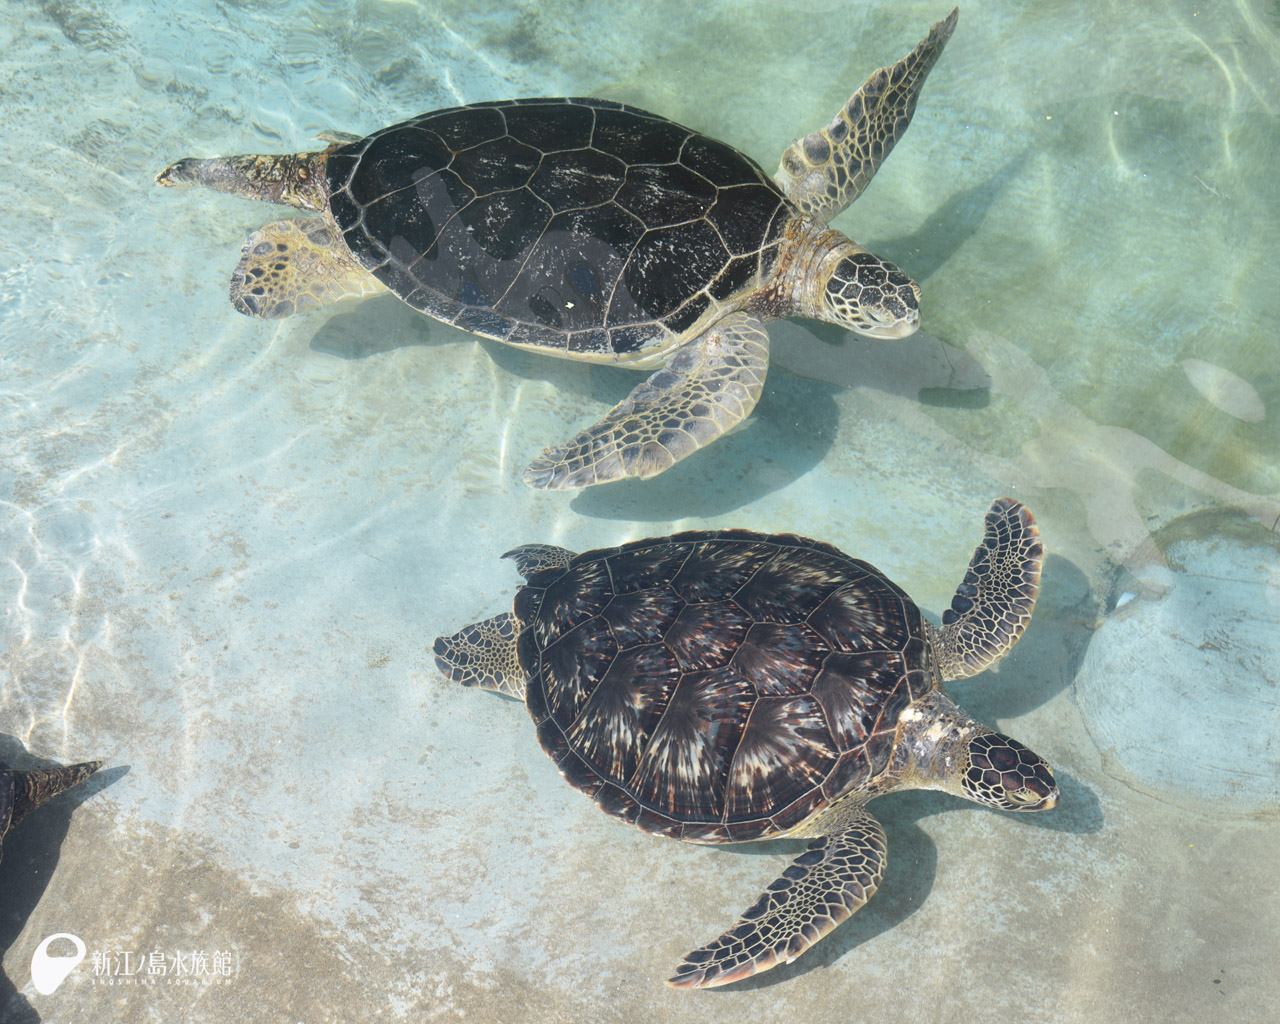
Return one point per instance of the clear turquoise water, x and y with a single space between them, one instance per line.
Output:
226 545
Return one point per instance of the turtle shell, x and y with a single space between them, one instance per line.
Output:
580 225
719 686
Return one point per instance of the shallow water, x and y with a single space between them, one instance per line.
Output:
226 544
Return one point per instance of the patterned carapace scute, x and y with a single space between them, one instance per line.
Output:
576 224
719 686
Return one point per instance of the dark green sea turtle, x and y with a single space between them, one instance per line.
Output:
23 791
727 686
594 231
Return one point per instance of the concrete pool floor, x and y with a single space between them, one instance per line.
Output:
228 544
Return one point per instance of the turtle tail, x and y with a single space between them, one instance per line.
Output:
292 179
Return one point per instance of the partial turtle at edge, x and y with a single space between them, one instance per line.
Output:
594 231
23 791
728 686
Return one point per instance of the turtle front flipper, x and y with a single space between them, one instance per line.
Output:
484 654
823 887
828 169
707 387
23 791
993 604
291 266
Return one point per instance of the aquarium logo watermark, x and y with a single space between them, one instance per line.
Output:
120 966
163 967
48 972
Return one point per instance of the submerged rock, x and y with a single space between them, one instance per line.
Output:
1180 687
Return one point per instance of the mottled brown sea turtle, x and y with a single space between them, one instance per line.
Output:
594 231
727 686
23 791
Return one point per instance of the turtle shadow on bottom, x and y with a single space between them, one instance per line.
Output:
357 336
797 414
30 856
380 325
954 222
922 368
31 850
797 420
1048 658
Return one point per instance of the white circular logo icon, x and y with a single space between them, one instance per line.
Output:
48 972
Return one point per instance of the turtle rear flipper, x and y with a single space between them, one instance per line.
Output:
824 886
828 169
992 606
291 266
533 558
484 655
706 388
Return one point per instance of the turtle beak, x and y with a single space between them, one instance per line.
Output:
887 326
1031 800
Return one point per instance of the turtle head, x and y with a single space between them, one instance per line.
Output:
871 296
295 179
1001 772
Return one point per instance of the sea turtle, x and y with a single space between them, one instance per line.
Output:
595 231
24 791
726 686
